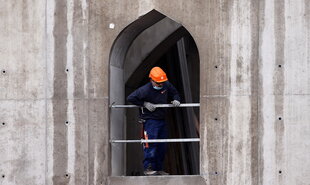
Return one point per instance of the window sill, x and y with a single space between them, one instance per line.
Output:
167 180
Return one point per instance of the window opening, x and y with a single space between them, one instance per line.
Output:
178 55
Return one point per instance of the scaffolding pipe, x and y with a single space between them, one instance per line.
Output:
158 105
157 140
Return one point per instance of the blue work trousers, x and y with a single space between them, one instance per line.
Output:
154 154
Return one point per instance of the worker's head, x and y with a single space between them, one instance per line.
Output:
157 76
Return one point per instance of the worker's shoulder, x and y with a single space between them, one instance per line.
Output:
145 87
168 84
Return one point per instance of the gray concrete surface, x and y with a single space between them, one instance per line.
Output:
168 180
248 91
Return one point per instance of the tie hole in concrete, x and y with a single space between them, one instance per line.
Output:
3 123
111 25
3 176
280 118
3 71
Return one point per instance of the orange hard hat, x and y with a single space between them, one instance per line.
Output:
158 75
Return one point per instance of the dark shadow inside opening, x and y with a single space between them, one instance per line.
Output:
181 158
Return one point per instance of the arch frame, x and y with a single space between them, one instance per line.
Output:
116 66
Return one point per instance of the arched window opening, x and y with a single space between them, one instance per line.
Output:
154 40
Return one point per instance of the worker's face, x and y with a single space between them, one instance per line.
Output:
157 84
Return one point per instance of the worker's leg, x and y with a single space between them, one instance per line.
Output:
150 154
161 147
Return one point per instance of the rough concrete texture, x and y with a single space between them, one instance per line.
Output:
167 180
255 73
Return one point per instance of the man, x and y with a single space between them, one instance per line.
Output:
157 91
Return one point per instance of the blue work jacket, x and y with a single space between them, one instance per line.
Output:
147 93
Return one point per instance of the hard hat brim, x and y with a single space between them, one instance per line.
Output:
160 81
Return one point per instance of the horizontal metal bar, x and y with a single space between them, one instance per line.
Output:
157 140
158 105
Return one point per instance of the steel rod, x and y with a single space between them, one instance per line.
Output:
157 140
158 105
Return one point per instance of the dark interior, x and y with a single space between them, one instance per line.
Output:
181 158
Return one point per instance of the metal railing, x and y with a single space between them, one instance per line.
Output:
181 140
157 140
158 105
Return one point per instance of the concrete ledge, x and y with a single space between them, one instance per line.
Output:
153 180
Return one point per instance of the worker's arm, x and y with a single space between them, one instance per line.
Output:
136 97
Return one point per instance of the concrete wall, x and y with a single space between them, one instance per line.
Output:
54 122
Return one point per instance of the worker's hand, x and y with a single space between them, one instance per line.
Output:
175 103
150 106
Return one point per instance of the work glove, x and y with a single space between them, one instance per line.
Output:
150 106
175 103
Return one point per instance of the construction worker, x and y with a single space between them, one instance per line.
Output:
157 91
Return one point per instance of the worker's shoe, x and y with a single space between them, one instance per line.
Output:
150 171
162 173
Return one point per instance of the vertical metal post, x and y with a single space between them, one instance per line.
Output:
191 121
